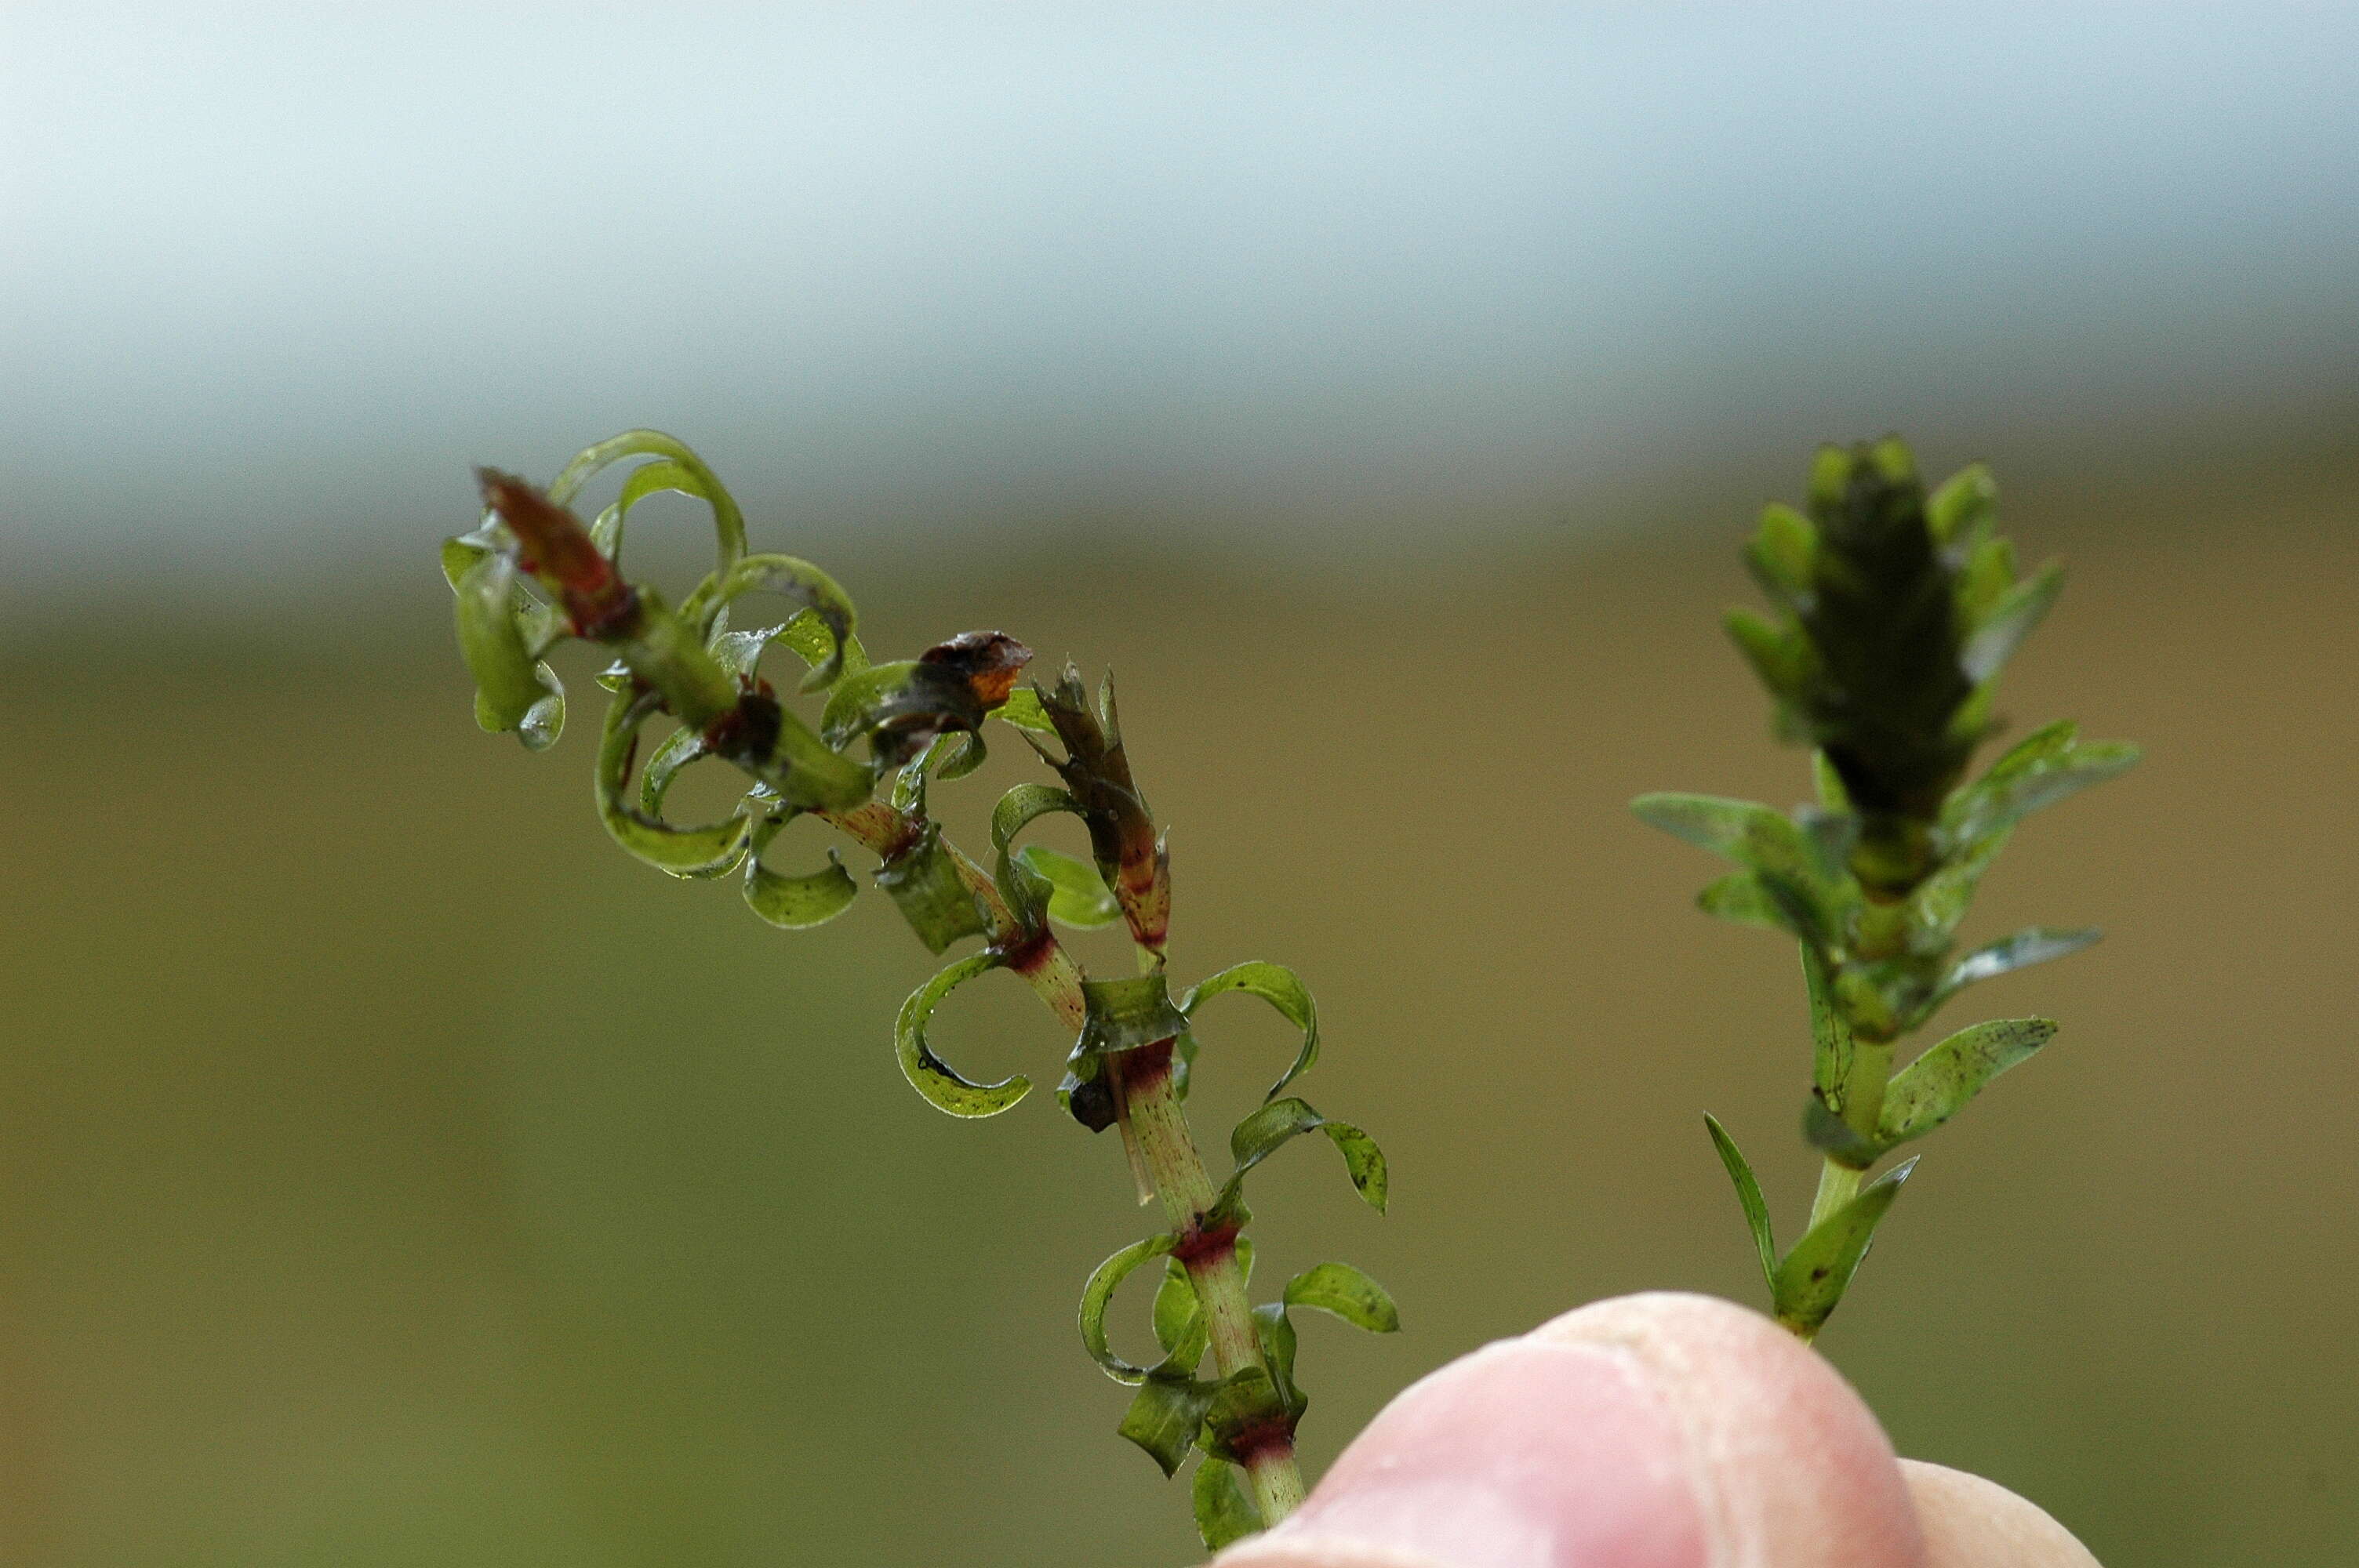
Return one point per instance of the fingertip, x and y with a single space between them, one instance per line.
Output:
1524 1455
1790 1466
1973 1523
1658 1431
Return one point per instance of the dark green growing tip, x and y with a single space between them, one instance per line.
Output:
1894 611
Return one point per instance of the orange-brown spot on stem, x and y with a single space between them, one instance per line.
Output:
988 661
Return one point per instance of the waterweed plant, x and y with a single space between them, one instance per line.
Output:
1894 613
886 733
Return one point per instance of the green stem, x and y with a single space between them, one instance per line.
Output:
1156 1137
1187 1192
1838 1185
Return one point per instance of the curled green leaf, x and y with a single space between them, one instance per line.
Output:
795 903
1346 1293
1078 895
1748 1197
1166 1415
1026 891
514 691
1269 1129
685 472
790 577
1283 989
928 1073
1097 1294
707 851
926 885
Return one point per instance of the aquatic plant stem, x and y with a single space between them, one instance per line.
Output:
1157 1140
1211 1259
1838 1185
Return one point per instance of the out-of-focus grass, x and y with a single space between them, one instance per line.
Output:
394 1175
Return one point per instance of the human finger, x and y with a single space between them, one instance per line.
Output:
1973 1523
1657 1431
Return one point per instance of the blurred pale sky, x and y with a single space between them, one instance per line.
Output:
276 275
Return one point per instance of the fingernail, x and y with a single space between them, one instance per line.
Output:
1528 1454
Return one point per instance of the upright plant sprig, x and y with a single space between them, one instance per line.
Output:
1893 615
885 732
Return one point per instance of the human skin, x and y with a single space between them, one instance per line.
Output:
1657 1431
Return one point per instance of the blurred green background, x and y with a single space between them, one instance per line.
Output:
393 1173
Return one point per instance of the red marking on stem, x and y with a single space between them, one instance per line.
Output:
1198 1246
1263 1440
1028 952
1145 1067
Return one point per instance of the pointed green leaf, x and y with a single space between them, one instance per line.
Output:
1986 578
1812 1279
1098 1293
1283 989
1748 1196
1833 1048
1348 1293
1023 709
2033 945
1756 836
2007 623
706 851
929 1074
1943 900
1964 507
1779 553
2045 768
1780 657
1937 1085
1078 895
1829 783
1224 1513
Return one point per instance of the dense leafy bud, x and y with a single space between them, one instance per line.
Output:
1894 613
1097 770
